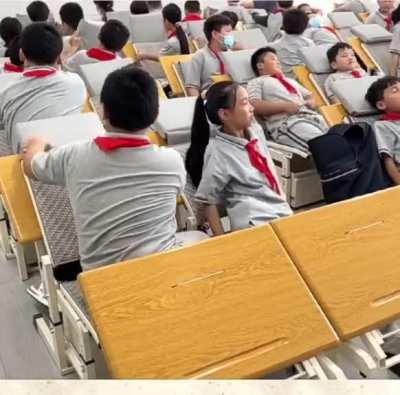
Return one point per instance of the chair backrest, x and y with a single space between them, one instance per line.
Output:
154 68
343 20
147 28
352 95
195 29
175 119
122 16
253 38
238 65
89 32
182 69
381 55
315 58
94 74
372 33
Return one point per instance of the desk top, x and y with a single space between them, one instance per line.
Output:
17 200
348 253
230 307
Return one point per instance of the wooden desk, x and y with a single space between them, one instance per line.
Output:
349 255
17 200
230 307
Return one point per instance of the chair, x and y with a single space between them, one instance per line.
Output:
89 32
122 16
343 21
169 66
238 65
253 38
154 68
147 28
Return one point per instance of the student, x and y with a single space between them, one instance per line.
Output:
383 16
344 64
192 11
112 38
384 95
294 24
234 169
139 7
9 29
207 61
233 17
127 209
177 43
285 107
15 64
42 90
38 11
103 7
394 48
70 14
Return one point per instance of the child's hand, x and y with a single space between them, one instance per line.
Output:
310 103
293 106
141 56
75 42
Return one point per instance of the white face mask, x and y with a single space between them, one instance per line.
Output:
315 21
229 41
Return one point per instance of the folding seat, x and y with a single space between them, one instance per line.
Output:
89 32
253 38
147 28
343 22
173 71
122 16
375 41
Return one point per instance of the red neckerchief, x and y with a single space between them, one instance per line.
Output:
108 144
331 30
388 22
40 72
172 34
221 63
259 161
100 54
391 116
288 86
356 74
279 10
192 17
12 68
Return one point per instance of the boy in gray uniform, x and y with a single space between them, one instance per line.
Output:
384 95
123 189
285 108
345 65
42 90
207 61
383 15
294 24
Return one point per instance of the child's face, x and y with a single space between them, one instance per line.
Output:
345 60
270 65
241 116
386 5
391 99
219 36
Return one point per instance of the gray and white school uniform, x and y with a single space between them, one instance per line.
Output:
320 36
123 202
28 99
288 129
230 180
338 75
81 58
287 49
171 47
376 18
395 44
203 65
387 135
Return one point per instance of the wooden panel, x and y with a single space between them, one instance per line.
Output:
87 107
363 16
349 255
358 48
220 78
303 76
230 307
333 114
18 201
130 51
167 63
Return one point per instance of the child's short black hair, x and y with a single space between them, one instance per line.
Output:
13 51
232 16
130 99
114 35
71 14
294 22
332 52
377 88
9 29
38 11
215 23
105 5
192 6
139 7
285 4
258 57
41 43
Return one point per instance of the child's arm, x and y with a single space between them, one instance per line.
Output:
147 56
266 108
394 64
392 169
74 45
214 220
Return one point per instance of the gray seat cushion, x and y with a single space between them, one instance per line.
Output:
122 16
147 28
89 32
253 38
154 68
343 19
380 53
195 29
315 58
238 65
372 33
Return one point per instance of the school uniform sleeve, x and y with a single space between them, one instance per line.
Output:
303 91
195 71
51 167
171 47
213 180
395 44
255 89
328 86
72 64
386 139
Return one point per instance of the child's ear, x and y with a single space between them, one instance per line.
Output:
380 105
22 56
260 67
222 114
334 65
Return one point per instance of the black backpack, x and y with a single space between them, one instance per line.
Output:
348 162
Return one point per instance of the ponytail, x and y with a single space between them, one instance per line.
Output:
173 14
183 40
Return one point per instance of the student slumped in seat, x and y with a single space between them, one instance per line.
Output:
42 90
284 106
234 169
207 61
112 38
177 42
294 24
344 64
383 15
123 189
384 95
